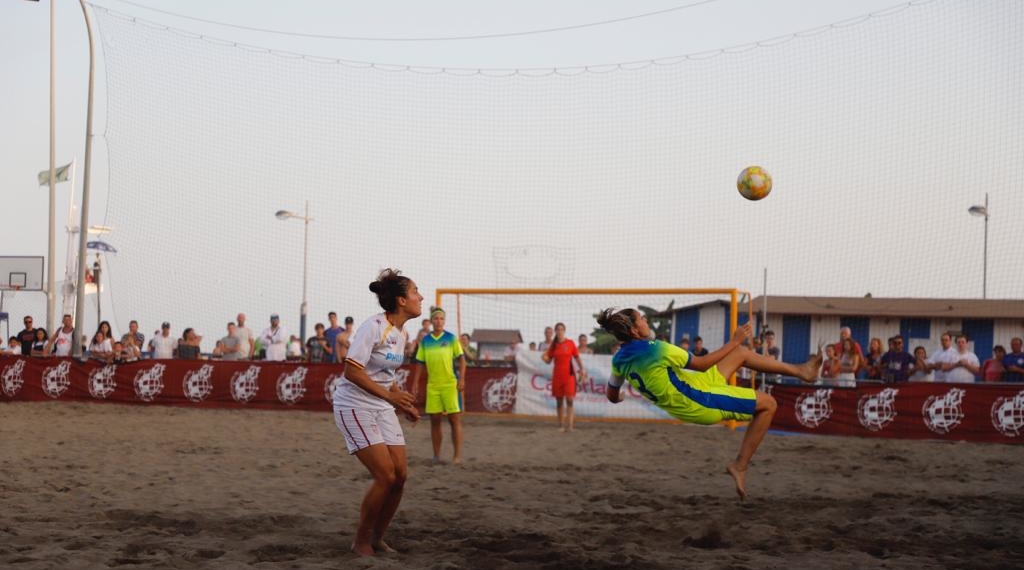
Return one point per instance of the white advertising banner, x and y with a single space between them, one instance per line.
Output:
533 391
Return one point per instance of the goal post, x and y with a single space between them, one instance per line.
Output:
735 297
530 310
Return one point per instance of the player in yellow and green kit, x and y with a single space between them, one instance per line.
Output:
694 388
438 352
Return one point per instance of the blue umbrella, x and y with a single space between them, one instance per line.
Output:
100 246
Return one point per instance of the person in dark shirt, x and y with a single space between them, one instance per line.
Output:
188 347
698 347
27 337
318 347
897 362
1014 362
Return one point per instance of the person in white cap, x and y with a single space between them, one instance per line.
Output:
275 340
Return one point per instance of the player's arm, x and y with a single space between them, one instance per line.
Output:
462 373
414 379
579 363
48 349
702 363
614 392
355 374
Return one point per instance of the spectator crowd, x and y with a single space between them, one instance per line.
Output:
844 360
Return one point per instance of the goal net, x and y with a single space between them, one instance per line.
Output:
510 325
879 134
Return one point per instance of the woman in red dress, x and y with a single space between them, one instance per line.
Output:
562 352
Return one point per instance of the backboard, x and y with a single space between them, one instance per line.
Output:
21 272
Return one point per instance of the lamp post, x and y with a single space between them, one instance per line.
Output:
285 215
983 212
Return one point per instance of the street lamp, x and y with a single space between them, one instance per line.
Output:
983 212
286 215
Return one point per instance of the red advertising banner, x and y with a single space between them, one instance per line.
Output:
214 383
968 412
956 412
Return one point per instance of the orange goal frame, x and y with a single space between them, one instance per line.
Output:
734 300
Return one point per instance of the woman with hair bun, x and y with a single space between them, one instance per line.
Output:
365 402
693 388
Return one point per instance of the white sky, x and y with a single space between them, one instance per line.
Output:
24 97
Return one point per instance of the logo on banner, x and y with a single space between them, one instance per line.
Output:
245 385
149 382
56 380
876 411
12 378
1008 415
102 382
499 394
197 385
330 384
813 408
292 386
943 413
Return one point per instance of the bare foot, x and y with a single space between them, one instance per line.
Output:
561 429
739 476
809 370
456 461
362 549
380 546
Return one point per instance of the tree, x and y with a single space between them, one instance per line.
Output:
659 321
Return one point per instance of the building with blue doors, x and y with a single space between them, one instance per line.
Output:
800 323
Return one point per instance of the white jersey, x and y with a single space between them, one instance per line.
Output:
961 374
275 342
163 346
378 348
62 345
947 356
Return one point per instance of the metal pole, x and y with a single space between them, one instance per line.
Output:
96 278
69 266
305 272
984 273
51 295
83 227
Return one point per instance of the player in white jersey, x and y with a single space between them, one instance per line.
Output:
365 402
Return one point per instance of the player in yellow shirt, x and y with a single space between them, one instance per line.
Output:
437 353
694 388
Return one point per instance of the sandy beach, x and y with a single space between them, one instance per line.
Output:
104 485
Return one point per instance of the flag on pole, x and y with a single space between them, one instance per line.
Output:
100 246
63 173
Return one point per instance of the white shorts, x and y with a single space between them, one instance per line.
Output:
363 428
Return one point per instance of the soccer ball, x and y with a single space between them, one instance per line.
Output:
754 183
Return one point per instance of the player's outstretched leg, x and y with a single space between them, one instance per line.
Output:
743 356
764 410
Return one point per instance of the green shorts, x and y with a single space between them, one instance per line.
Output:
446 400
707 398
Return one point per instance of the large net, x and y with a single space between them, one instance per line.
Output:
523 310
879 136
